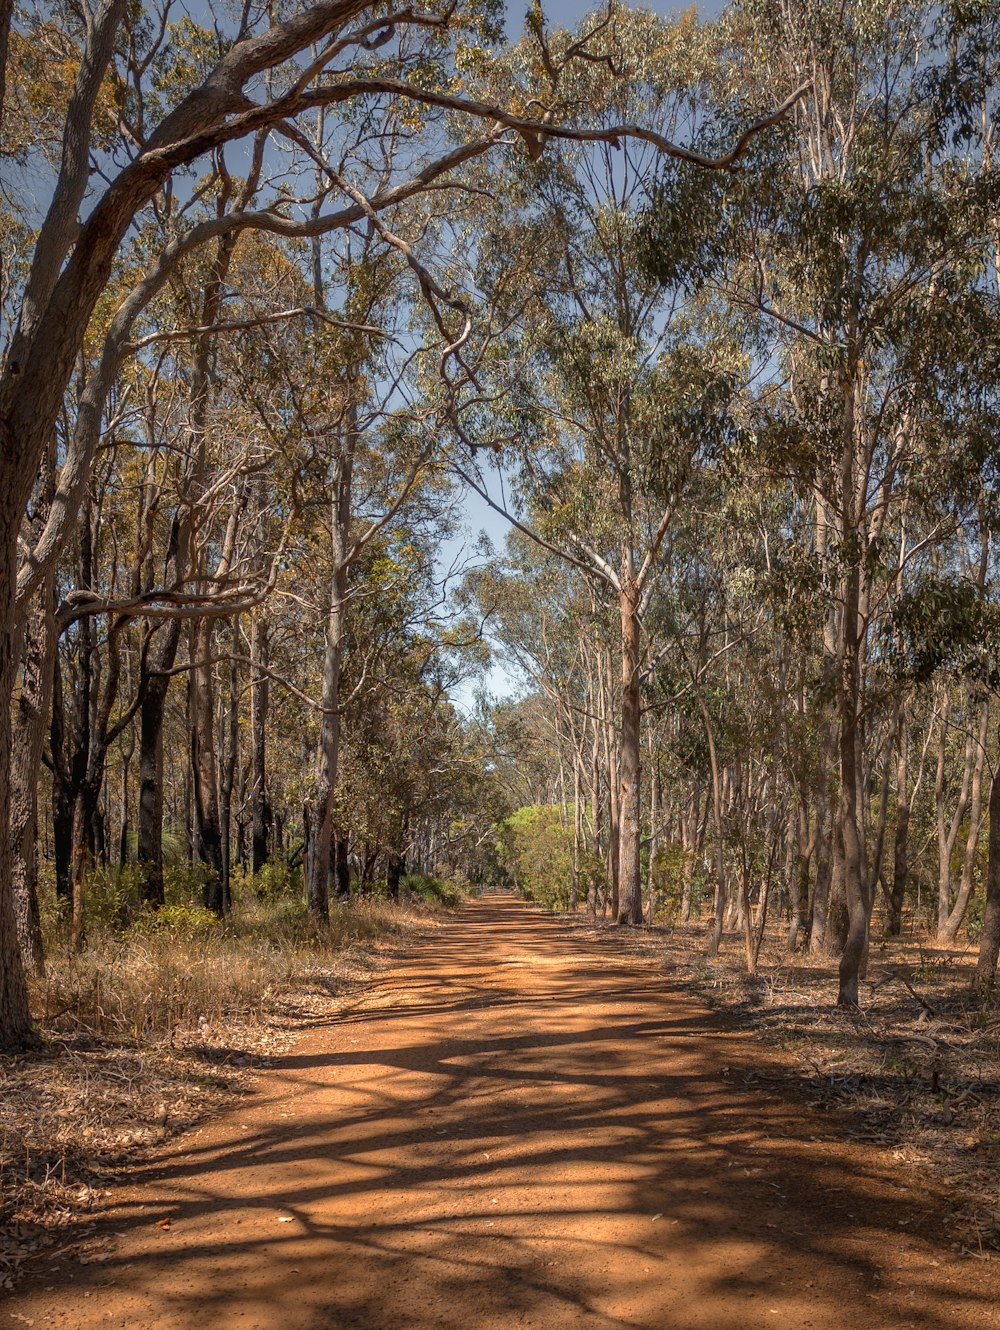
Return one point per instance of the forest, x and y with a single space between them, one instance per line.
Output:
706 309
490 502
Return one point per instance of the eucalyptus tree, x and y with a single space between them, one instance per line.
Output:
555 626
621 386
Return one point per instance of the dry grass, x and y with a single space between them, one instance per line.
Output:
148 1031
916 1071
179 968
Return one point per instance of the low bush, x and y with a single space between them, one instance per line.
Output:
435 890
274 881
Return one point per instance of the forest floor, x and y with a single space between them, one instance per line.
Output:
917 1069
518 1125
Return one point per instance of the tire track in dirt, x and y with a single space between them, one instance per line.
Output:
517 1130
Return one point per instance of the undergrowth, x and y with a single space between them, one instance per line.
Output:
180 966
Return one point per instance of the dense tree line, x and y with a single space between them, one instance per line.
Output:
752 452
714 305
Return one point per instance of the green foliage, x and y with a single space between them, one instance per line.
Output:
275 881
185 883
670 865
435 890
112 895
945 623
535 846
179 923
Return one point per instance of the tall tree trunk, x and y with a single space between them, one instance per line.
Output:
901 833
208 825
325 786
574 895
614 789
31 719
802 849
204 769
948 828
989 941
719 904
62 804
395 867
152 711
630 823
954 921
259 703
342 865
856 887
162 653
597 817
825 842
654 833
229 742
30 722
15 1018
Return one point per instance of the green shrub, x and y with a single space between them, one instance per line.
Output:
273 881
536 847
179 923
433 889
112 895
185 883
671 864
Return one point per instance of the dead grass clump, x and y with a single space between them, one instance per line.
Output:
180 968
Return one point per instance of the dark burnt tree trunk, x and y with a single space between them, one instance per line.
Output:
395 868
209 831
343 867
204 769
62 806
154 687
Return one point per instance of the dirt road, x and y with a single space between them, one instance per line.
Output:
518 1130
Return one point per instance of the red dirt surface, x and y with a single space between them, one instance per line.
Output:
517 1129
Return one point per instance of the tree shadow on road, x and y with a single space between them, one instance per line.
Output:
527 1132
